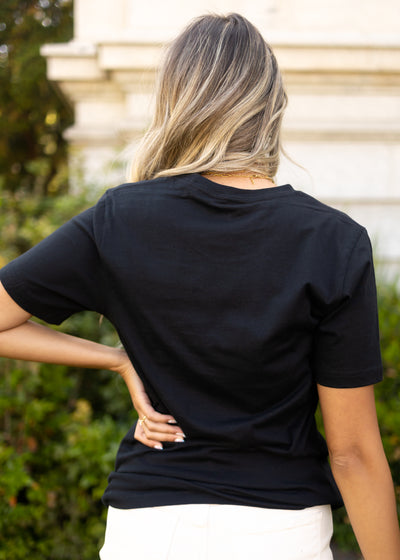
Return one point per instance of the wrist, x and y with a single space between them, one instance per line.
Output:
119 359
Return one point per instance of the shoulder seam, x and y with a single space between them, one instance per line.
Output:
324 208
351 254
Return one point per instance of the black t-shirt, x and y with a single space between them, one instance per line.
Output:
232 305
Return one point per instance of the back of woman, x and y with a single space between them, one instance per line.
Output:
218 295
239 303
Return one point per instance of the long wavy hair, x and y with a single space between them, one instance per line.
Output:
219 104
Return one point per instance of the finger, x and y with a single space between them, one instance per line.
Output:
156 421
153 434
141 436
154 430
155 416
160 428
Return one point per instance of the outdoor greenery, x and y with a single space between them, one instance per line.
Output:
32 113
60 431
60 427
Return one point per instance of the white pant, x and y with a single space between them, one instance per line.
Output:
217 532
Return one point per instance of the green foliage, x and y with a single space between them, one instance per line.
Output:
56 451
60 427
388 392
33 115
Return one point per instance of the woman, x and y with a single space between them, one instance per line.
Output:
239 303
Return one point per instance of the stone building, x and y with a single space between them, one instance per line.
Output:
341 64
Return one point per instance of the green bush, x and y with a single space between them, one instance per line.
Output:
33 113
388 392
56 450
59 427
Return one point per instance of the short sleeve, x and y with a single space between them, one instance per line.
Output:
61 275
346 345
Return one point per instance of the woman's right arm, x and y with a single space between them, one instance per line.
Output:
361 470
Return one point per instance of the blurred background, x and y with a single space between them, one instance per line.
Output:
76 89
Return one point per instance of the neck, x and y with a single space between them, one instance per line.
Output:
241 179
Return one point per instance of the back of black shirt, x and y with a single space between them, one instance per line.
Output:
232 305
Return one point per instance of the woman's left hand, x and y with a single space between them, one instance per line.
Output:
153 427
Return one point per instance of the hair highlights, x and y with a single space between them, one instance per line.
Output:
219 104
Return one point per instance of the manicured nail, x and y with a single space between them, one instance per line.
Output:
179 440
158 446
180 434
172 421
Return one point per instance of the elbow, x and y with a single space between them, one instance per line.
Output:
347 460
349 466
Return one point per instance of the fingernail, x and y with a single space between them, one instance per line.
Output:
179 440
180 434
171 421
158 446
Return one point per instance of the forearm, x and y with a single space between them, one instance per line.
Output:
367 490
33 342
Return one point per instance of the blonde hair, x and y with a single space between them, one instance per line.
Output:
219 104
